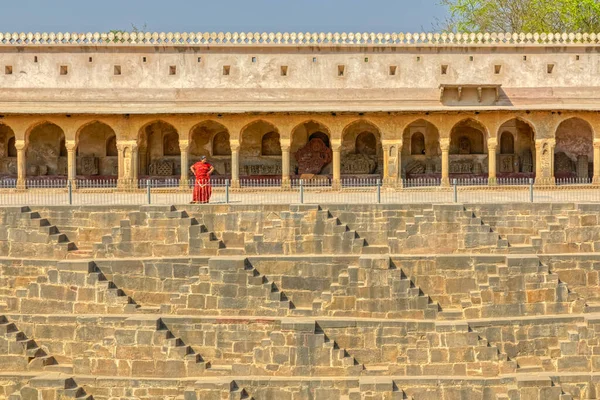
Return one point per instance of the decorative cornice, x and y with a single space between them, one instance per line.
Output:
298 39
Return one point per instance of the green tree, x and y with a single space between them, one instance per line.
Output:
521 16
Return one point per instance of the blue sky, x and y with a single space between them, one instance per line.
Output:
220 15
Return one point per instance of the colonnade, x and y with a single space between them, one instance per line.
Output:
390 139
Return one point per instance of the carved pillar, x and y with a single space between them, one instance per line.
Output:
445 146
596 179
134 165
492 145
184 146
336 147
544 161
392 162
285 163
120 149
71 161
128 164
235 164
21 163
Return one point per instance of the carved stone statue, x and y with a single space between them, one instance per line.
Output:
415 167
358 164
89 165
506 163
526 161
161 168
313 157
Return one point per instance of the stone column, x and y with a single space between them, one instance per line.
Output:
544 161
71 160
392 162
21 163
184 146
337 164
135 165
285 163
596 179
235 164
492 146
120 149
445 146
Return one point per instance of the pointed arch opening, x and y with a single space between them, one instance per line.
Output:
260 151
468 150
8 152
310 150
46 151
361 152
574 152
211 139
158 149
515 153
97 155
421 154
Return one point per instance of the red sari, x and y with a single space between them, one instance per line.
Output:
202 186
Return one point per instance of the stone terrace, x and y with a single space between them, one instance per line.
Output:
300 302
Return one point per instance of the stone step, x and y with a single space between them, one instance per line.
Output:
375 250
231 251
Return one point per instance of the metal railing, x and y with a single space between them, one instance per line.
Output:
276 191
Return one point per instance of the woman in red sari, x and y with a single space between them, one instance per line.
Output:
202 187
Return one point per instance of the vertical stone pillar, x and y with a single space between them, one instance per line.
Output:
392 162
184 146
21 163
336 147
135 165
71 146
544 161
596 179
285 163
120 150
445 146
492 146
235 164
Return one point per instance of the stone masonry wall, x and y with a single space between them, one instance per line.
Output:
300 302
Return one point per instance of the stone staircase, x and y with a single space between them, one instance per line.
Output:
231 284
538 291
51 387
23 354
159 231
446 229
320 356
35 237
375 285
74 286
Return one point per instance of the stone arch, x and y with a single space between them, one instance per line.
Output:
8 151
425 162
153 139
574 150
524 122
468 149
211 139
520 162
302 134
252 160
45 154
361 152
92 157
